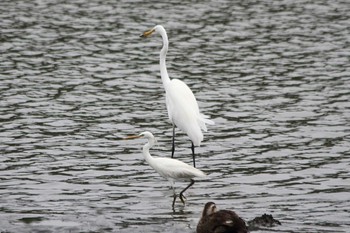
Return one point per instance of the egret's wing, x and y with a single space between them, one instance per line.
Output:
175 169
180 98
183 110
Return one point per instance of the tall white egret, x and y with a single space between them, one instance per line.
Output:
181 104
170 169
220 221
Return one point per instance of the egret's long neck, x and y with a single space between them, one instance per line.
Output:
163 52
145 152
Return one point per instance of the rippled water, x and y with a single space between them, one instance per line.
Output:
75 78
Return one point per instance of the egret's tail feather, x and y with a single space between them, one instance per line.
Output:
209 122
205 120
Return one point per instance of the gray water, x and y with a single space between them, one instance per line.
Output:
75 78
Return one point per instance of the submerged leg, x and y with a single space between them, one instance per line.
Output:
173 148
181 193
174 200
193 155
174 195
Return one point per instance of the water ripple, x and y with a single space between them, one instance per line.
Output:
75 78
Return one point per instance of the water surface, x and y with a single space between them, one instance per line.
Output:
75 78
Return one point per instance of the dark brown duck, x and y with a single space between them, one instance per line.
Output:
220 221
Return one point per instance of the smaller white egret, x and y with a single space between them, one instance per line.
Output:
182 106
170 169
220 221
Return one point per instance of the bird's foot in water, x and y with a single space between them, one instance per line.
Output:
182 198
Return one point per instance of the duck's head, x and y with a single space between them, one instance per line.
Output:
209 208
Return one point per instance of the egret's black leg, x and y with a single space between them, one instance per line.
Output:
181 193
193 155
174 199
173 148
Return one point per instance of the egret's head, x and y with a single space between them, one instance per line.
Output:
209 208
156 29
145 134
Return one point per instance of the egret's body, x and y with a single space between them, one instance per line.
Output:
220 221
170 169
182 106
